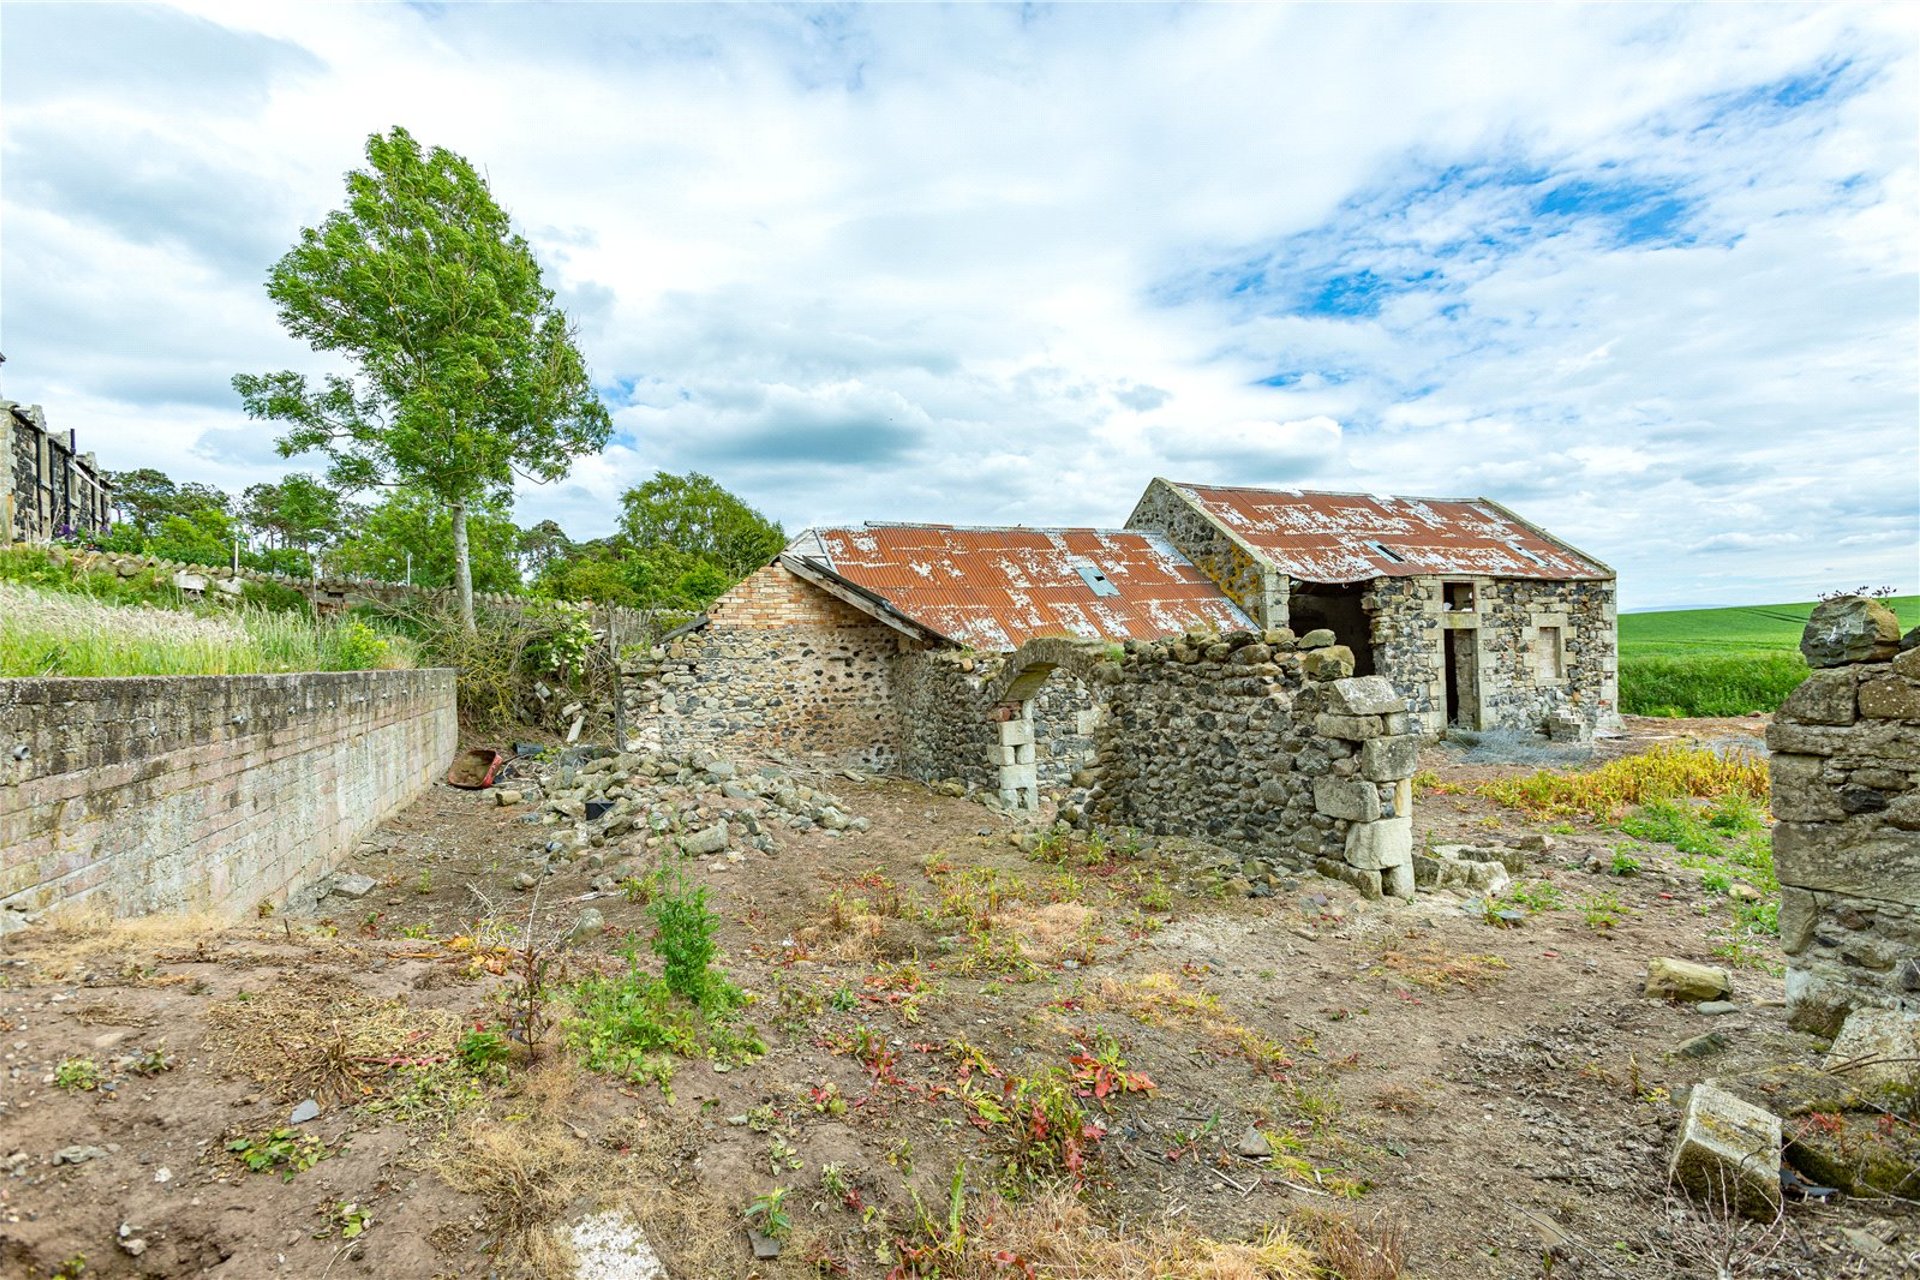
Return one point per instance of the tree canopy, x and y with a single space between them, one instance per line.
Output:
693 515
465 371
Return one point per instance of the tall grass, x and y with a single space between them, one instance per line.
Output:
1708 684
45 633
1664 773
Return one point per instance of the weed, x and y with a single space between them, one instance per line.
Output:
1665 773
631 1023
1602 911
1053 1136
1535 895
424 885
1624 863
286 1151
349 1219
482 1051
683 939
77 1075
768 1216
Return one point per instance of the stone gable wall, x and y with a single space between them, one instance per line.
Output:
782 666
1846 846
1241 577
210 793
1409 623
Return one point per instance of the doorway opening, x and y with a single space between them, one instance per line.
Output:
1461 661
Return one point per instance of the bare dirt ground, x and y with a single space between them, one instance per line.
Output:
1483 1101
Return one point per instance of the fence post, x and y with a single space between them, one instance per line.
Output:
619 697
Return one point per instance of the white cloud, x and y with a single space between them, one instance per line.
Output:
978 263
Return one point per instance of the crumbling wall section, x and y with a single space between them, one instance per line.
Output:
946 730
1846 793
781 666
1246 740
210 793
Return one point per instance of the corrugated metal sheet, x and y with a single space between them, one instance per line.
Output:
1349 537
995 589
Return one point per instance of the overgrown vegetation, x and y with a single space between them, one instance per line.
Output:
1602 794
46 633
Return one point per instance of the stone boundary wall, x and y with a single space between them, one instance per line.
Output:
1251 740
204 793
1846 794
328 595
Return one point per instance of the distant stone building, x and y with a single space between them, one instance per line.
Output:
48 488
1478 618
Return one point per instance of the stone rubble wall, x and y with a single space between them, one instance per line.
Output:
205 793
1065 719
946 731
782 667
1846 794
1409 621
1250 740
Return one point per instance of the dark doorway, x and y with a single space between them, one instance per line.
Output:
1461 660
1312 606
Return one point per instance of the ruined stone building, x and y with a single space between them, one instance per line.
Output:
900 647
49 489
1478 618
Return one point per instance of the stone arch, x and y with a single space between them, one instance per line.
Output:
1010 697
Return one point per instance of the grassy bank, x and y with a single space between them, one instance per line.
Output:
1717 662
54 633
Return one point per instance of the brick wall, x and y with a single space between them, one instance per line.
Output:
205 792
775 597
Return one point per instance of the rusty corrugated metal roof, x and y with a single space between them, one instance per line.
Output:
1350 537
995 589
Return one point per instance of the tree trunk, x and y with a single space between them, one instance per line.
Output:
462 567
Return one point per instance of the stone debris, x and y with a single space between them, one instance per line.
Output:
348 884
305 1111
1878 1050
1670 979
79 1154
588 926
612 1246
1728 1151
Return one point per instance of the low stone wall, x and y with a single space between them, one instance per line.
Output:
1846 793
204 792
1246 740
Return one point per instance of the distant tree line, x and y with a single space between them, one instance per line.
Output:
682 539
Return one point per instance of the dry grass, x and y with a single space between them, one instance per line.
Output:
1159 999
1056 1235
1436 969
529 1169
1350 1250
88 938
307 1037
1665 773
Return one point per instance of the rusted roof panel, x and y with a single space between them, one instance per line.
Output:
995 589
1350 537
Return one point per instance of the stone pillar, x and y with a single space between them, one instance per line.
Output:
1019 779
1846 793
1374 795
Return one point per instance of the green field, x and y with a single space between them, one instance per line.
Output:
1718 662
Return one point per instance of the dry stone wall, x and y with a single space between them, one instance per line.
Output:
1258 588
1250 741
1846 793
206 793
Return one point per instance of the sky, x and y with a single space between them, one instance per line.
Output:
1646 275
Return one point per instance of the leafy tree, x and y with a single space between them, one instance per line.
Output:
693 514
466 372
297 513
411 520
541 545
203 537
146 497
